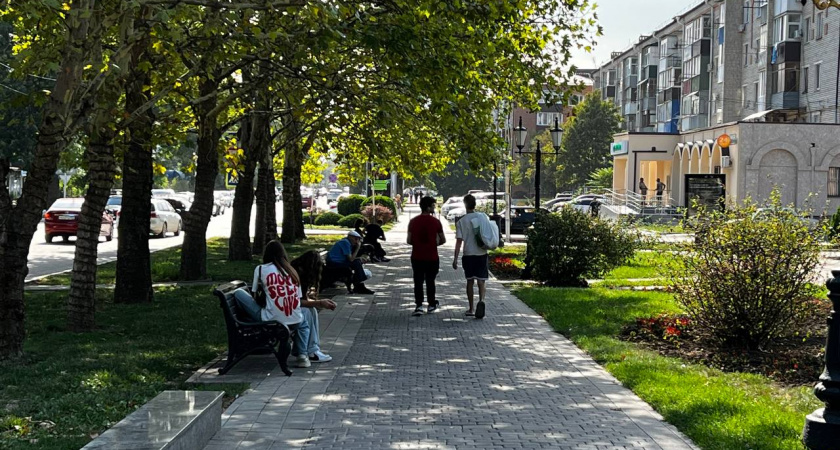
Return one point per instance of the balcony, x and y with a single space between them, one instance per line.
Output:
669 95
788 51
669 62
631 108
693 122
648 72
784 100
631 80
609 92
649 104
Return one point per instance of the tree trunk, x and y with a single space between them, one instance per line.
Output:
259 220
266 220
101 170
292 200
239 246
134 269
194 250
18 224
261 147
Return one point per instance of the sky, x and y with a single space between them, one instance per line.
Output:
624 21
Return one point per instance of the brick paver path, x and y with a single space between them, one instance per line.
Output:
442 381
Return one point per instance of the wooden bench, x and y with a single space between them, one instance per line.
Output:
246 337
183 420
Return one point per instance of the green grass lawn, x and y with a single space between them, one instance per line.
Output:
719 411
642 265
661 228
166 263
84 383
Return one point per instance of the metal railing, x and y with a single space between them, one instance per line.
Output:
629 202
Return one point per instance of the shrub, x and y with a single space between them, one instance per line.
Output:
487 208
350 220
568 246
832 227
351 204
505 267
328 218
751 274
384 201
382 213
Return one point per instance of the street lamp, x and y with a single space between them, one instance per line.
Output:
556 136
823 4
822 427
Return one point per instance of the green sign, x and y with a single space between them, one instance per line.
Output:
620 148
380 185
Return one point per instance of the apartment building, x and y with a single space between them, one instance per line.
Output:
758 75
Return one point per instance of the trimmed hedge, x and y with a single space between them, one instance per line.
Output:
349 220
351 204
328 218
382 200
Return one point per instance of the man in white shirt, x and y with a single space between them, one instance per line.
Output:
475 258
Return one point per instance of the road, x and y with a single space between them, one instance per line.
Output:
45 259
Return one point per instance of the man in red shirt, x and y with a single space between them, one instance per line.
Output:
425 234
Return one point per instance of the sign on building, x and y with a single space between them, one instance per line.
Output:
704 191
620 148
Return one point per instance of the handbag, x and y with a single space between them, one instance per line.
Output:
259 296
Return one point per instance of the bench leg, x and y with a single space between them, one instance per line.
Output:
232 359
284 349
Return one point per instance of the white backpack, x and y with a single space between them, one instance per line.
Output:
486 232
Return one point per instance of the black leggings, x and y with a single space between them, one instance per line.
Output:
425 271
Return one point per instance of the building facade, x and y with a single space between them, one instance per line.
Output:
762 72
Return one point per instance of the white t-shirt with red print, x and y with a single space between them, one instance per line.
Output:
282 295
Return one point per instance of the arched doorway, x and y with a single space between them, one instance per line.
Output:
778 169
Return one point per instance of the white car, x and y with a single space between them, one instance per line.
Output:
450 204
582 202
456 213
164 219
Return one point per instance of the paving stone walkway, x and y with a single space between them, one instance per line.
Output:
439 381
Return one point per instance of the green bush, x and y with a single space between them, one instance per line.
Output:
328 218
569 246
350 220
387 202
832 227
751 274
351 204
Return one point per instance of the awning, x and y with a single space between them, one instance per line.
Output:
758 115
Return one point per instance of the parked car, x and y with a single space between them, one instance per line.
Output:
114 206
333 195
164 219
451 203
218 206
522 218
226 197
582 202
549 204
62 219
162 193
456 213
565 196
179 205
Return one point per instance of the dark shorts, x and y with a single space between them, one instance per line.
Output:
476 267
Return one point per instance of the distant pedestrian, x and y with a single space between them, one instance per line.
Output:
660 189
475 258
425 235
642 189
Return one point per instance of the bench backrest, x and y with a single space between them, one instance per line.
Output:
232 313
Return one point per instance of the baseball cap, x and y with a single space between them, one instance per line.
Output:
354 234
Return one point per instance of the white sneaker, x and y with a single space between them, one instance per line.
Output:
303 361
320 357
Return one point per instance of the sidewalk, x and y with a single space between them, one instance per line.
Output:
437 381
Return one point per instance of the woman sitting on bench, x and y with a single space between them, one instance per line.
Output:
284 302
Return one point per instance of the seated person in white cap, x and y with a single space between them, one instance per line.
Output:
343 254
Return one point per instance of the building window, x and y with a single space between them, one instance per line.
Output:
834 181
746 54
819 25
546 119
744 96
786 27
804 80
817 76
755 94
806 35
745 19
816 117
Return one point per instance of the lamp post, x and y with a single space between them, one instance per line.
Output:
556 135
822 427
823 4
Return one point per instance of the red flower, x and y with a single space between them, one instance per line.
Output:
672 331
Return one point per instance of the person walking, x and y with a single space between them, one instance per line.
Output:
475 260
660 189
425 235
642 189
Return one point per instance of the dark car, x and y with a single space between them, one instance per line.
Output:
522 218
178 205
306 202
62 219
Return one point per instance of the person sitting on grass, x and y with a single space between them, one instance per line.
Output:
344 255
373 234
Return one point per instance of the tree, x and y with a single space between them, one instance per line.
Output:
457 178
601 178
587 139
